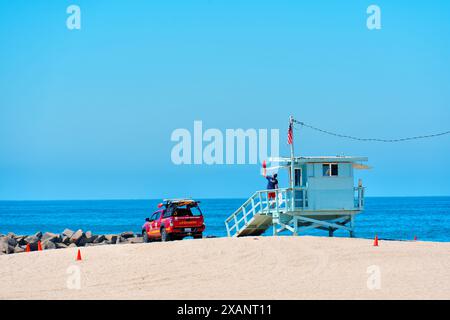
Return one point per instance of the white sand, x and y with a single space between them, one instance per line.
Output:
244 268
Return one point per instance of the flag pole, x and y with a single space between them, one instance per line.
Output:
291 126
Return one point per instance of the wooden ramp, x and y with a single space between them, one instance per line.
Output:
257 225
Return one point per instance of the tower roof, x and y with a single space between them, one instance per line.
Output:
320 159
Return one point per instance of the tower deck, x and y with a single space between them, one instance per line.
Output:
290 210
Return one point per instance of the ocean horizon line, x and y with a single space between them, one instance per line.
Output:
199 198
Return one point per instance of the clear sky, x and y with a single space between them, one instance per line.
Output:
88 114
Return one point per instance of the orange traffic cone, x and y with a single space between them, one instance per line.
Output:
28 249
79 255
375 242
39 246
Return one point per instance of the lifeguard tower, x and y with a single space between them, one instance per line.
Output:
321 195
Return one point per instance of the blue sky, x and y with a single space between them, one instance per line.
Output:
88 114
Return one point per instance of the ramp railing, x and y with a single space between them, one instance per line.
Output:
268 202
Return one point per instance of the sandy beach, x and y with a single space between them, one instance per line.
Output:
234 268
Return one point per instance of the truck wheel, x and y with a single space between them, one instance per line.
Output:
145 237
198 236
164 235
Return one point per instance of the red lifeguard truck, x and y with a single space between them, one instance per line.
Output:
175 220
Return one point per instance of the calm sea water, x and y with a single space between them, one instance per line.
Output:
390 218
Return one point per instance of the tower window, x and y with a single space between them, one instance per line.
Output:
330 169
298 177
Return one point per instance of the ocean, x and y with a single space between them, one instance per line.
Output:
399 218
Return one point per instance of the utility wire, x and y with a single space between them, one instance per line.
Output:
371 139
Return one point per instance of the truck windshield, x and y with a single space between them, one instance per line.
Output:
186 211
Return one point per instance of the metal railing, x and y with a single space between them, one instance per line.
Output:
266 202
359 197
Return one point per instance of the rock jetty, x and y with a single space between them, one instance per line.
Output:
12 243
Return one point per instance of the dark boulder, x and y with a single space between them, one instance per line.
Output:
90 237
31 240
111 238
11 235
19 249
67 233
21 240
6 248
48 244
82 241
10 241
99 239
53 237
135 240
61 245
65 240
127 234
77 236
121 239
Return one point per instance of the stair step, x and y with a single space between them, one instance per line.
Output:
256 225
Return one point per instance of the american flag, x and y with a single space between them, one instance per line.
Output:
290 137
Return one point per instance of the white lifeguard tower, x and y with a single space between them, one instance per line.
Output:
322 194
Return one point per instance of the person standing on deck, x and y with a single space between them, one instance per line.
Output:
272 182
